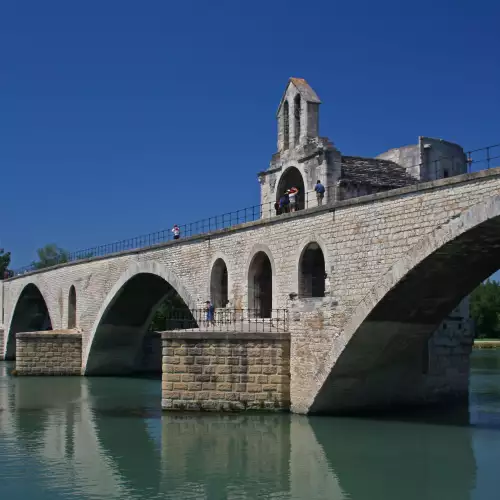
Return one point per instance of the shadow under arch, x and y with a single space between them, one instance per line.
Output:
292 177
30 315
386 334
120 328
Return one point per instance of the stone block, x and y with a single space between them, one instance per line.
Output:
254 388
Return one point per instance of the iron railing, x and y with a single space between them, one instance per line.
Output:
478 159
228 320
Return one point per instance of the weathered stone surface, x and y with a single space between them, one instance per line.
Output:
49 353
225 390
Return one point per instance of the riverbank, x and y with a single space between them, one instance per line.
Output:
486 344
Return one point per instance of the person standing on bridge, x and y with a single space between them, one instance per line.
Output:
320 192
177 232
292 197
210 310
284 202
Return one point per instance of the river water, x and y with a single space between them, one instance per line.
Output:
96 438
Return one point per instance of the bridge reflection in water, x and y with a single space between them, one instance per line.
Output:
106 438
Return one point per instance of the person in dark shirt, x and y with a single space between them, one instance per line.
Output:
284 202
320 192
210 309
277 208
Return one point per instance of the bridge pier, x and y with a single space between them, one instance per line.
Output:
53 352
225 371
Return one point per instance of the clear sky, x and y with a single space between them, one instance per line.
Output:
118 118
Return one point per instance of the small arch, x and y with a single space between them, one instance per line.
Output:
72 307
292 177
260 286
312 271
219 284
297 113
286 125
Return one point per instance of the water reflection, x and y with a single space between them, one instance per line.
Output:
106 438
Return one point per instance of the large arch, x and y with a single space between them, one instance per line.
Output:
292 177
30 315
395 319
125 315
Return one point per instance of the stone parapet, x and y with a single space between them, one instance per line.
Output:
225 371
54 352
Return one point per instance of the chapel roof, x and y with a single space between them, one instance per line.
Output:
375 172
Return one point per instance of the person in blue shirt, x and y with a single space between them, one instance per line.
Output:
320 192
210 309
284 203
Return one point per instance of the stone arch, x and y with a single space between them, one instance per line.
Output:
30 314
219 283
125 315
72 307
312 271
433 268
302 245
292 177
261 295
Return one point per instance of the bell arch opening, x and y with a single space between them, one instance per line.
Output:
292 178
297 113
30 315
260 286
312 272
72 307
286 125
126 340
219 284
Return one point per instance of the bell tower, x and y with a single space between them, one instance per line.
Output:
298 115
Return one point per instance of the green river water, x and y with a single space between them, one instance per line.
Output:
95 438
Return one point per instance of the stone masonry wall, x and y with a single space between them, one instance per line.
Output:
225 371
49 353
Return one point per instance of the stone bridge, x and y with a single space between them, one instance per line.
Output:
363 336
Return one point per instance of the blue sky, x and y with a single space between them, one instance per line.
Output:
118 118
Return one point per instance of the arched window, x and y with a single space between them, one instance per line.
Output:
218 284
286 125
312 272
72 308
296 112
260 286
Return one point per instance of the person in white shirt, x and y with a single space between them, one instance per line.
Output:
177 232
292 196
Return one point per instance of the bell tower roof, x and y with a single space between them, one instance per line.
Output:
303 88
